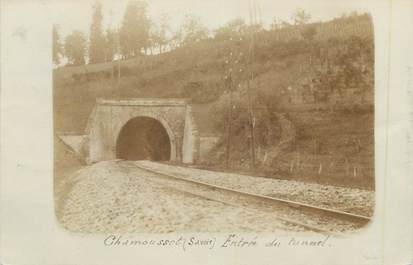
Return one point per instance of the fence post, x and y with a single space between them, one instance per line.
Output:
298 161
347 167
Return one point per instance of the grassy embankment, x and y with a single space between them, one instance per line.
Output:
334 141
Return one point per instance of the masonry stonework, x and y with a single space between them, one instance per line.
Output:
109 116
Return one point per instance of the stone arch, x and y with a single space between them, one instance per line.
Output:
161 121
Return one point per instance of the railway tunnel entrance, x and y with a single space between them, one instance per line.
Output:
141 128
143 138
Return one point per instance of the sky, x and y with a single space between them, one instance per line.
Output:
72 15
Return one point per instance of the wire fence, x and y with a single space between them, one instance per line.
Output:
350 169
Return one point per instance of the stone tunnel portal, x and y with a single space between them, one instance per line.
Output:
143 138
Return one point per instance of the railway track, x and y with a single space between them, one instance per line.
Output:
313 218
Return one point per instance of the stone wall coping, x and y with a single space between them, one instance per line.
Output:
144 102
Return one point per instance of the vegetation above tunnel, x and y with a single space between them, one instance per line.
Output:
317 74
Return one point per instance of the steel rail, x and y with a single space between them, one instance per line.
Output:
359 220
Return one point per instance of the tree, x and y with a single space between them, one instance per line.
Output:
193 30
111 44
159 33
153 37
164 29
97 39
234 28
308 32
75 48
57 46
134 32
300 17
285 24
176 38
275 24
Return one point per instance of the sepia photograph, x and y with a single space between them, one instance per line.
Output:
171 117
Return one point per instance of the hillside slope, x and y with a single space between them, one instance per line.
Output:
319 82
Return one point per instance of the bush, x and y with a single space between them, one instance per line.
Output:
202 92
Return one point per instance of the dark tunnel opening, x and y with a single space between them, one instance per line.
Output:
143 138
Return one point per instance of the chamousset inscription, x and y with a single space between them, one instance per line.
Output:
181 242
227 242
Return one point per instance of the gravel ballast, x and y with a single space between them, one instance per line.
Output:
114 196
